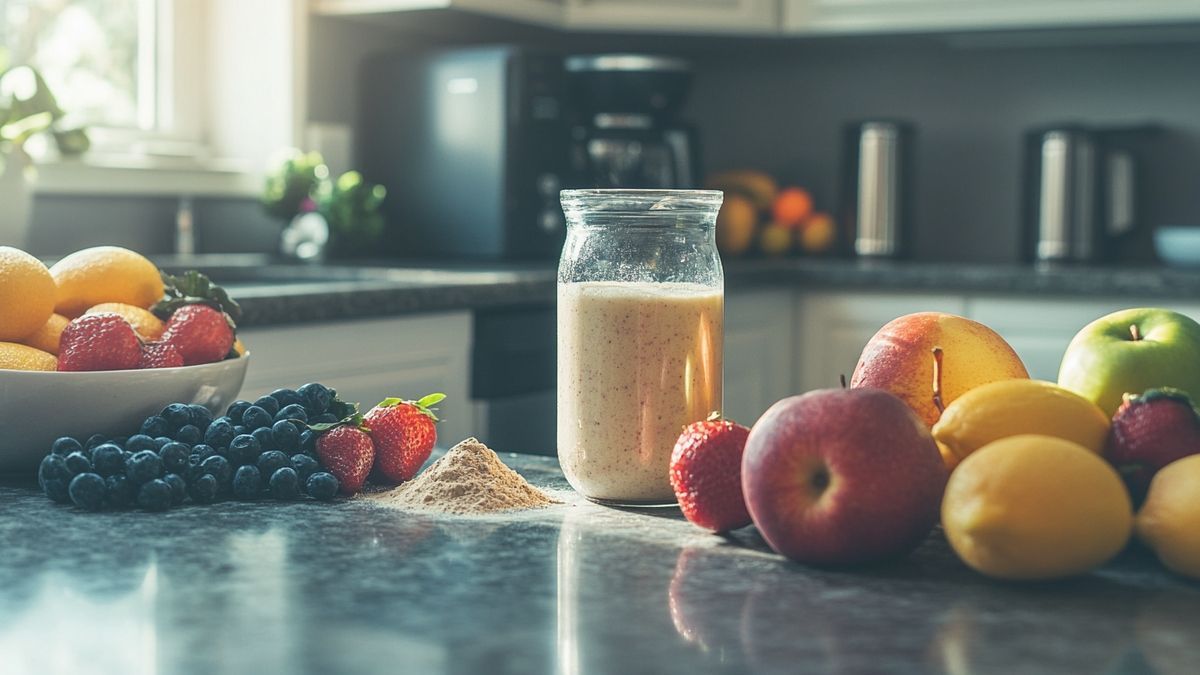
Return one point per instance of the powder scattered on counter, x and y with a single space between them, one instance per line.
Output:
469 479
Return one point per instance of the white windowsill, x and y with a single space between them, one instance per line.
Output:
147 175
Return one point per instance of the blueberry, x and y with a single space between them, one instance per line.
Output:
235 410
308 441
305 465
201 416
189 434
219 433
204 489
139 442
285 484
108 459
144 466
218 467
176 415
292 412
87 491
119 441
65 446
155 426
155 495
247 482
202 452
256 417
94 440
266 403
78 463
316 397
286 397
239 429
265 438
244 449
285 435
323 418
178 487
271 461
118 490
160 441
53 467
56 489
174 457
322 486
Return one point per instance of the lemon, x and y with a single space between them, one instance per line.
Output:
147 325
1169 521
775 239
736 223
997 410
23 357
26 293
105 274
1035 507
46 338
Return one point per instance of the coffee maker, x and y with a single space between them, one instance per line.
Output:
625 130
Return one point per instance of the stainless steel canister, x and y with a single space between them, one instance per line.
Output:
875 192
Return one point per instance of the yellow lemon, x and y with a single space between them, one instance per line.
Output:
1005 408
105 274
1035 507
27 293
775 239
23 357
736 223
147 325
239 348
1169 521
46 338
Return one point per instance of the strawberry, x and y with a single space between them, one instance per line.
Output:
201 333
706 473
347 452
404 433
1149 432
102 341
160 355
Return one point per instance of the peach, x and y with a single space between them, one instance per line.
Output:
900 358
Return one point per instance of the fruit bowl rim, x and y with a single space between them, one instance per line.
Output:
50 373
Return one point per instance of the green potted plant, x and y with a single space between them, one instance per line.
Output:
27 108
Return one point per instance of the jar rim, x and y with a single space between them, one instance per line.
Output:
639 201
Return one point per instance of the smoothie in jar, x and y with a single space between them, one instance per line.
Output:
637 362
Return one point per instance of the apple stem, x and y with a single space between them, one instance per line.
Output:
937 379
842 379
1133 330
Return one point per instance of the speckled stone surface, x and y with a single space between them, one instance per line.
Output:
298 293
355 587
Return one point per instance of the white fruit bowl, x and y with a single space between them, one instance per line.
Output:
38 407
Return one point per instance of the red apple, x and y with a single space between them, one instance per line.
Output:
842 476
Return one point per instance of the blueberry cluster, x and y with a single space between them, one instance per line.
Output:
255 449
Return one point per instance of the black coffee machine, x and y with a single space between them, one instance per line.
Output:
625 126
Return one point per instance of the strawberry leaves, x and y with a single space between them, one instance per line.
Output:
424 405
191 288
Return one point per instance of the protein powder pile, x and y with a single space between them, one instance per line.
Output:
469 479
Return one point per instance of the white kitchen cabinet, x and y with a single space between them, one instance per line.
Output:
675 16
833 328
545 12
760 355
369 360
880 16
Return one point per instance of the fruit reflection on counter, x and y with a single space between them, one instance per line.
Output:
758 217
1032 480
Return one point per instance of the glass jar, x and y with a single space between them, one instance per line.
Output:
640 331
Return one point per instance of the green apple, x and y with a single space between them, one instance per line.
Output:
1131 351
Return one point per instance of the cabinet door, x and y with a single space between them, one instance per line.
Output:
367 361
676 16
871 16
1040 329
548 12
759 352
833 328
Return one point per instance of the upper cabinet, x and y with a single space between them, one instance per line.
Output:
689 16
895 16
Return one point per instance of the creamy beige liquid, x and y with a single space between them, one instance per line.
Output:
636 363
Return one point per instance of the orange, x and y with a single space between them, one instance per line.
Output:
46 337
147 325
105 274
792 206
817 233
22 357
735 225
26 294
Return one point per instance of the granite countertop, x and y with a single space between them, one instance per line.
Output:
272 292
355 587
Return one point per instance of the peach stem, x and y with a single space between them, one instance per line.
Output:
1133 330
937 379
